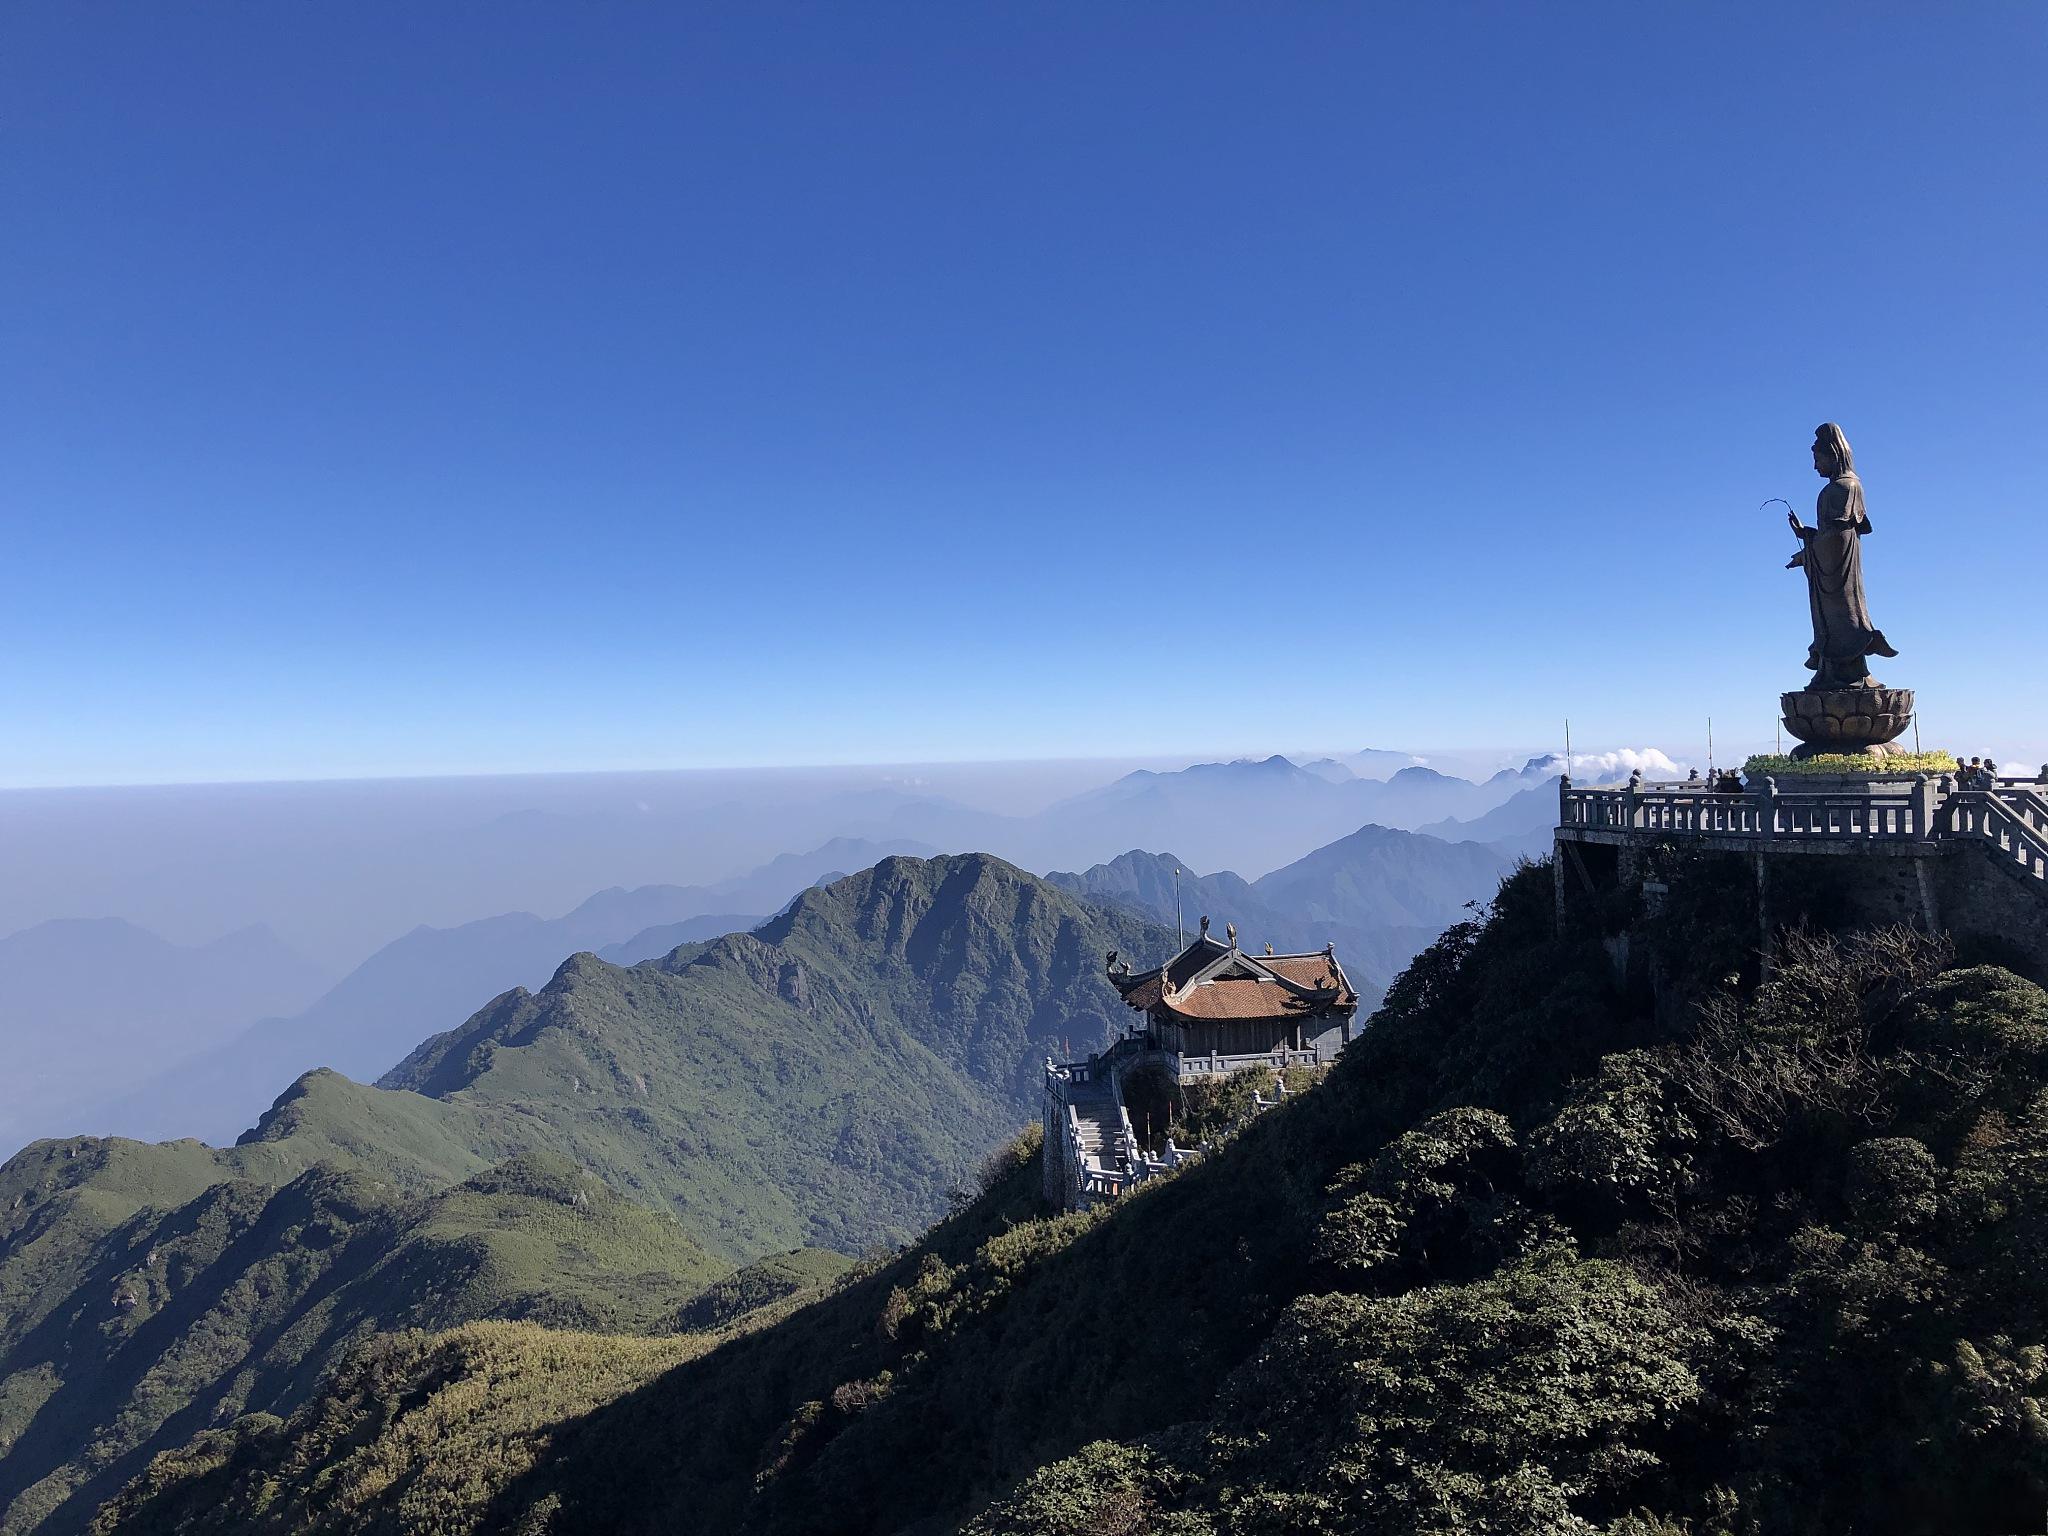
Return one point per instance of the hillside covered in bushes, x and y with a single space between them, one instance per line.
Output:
592 1156
1538 1255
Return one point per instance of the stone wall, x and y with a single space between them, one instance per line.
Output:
1997 917
1994 915
1052 1157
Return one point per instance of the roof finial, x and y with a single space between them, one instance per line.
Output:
1230 929
1205 925
1269 946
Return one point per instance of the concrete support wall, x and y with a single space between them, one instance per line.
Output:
1995 916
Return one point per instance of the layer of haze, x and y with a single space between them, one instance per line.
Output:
173 957
392 389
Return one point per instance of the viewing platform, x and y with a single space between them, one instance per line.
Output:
1912 848
1910 816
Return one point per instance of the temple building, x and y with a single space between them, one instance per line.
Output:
1213 1001
1210 1010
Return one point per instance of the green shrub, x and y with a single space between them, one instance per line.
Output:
1891 1184
1103 1489
1439 1202
1489 1407
1618 1138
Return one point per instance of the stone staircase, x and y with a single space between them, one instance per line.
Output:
1091 1151
1098 1115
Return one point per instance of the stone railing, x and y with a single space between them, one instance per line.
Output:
1222 1066
2012 818
1903 809
2013 821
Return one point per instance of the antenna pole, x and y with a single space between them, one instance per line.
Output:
1180 924
1567 746
1710 746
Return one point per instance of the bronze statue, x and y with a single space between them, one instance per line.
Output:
1832 553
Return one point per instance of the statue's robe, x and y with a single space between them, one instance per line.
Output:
1842 632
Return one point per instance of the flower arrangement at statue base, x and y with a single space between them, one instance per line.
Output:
1838 764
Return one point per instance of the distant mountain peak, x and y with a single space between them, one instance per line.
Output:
1418 773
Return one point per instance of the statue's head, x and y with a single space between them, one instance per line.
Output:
1831 456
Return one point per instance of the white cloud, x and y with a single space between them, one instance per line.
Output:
1622 760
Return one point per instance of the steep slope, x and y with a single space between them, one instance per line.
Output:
826 1082
240 1298
820 1082
1538 1256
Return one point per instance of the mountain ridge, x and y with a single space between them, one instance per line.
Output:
410 986
829 1084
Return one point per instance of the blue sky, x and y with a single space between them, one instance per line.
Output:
391 389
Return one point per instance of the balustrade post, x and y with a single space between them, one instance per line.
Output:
1923 806
1767 805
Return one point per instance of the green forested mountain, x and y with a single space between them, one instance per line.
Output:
1536 1256
238 1298
592 1155
820 1082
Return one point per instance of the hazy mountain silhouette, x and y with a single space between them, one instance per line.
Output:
1521 824
1380 895
101 1003
1252 815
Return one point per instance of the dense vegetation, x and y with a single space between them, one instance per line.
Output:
1538 1255
238 1298
593 1156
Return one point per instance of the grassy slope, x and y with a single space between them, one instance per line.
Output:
826 1086
1529 1259
821 1083
239 1298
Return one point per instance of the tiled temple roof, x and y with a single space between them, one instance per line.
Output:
1211 980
